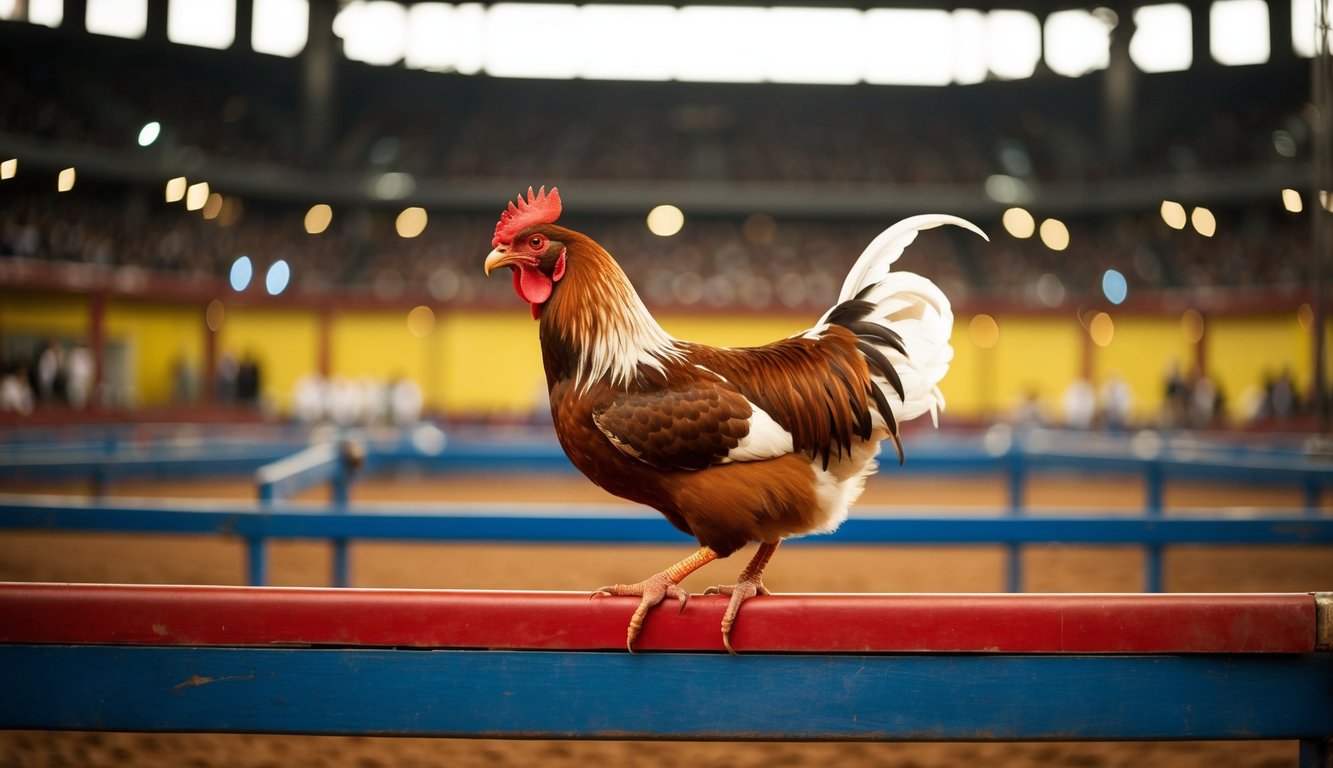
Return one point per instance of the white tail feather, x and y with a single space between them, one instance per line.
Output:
885 249
913 307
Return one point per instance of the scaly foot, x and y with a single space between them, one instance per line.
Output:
741 591
653 590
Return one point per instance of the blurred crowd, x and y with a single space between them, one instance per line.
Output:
249 109
52 374
756 263
1191 399
361 401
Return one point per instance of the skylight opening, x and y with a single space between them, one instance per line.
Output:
1163 39
280 27
911 47
205 23
117 18
1239 32
1077 42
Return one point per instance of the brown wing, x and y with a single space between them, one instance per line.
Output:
690 425
818 389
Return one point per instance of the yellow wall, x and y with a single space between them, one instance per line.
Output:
285 342
487 362
1141 351
965 387
378 345
490 361
1242 350
1033 354
158 337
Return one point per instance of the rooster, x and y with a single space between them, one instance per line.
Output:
732 446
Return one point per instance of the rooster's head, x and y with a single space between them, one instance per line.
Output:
523 243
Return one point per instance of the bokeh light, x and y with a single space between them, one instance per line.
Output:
665 220
233 210
1204 222
277 278
1114 286
1019 223
318 218
1305 317
242 270
9 168
1191 326
1050 290
175 191
149 133
1173 214
65 181
213 206
985 332
411 222
420 321
1291 200
1102 329
1054 234
214 315
196 195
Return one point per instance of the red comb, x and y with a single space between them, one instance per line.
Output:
537 209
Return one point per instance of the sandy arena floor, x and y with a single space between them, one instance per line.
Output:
196 560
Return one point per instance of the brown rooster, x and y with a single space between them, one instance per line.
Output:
731 445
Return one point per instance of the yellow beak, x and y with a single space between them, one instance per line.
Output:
500 257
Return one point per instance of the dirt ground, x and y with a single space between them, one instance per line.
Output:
199 560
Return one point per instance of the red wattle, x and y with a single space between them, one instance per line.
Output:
533 287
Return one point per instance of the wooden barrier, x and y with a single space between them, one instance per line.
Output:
552 665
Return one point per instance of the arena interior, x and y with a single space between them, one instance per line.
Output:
234 229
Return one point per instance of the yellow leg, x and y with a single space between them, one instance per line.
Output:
655 588
748 584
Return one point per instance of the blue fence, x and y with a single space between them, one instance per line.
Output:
283 467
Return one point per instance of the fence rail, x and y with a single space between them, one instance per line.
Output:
1158 462
545 665
258 523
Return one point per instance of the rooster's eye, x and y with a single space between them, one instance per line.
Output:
535 242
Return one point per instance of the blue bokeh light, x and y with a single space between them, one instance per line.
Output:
1114 286
277 278
241 272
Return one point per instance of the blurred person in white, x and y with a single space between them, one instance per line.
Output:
405 401
1117 400
310 399
79 371
15 392
49 365
1080 404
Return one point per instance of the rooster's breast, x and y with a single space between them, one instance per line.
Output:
725 506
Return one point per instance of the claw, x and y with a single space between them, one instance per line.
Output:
740 592
653 590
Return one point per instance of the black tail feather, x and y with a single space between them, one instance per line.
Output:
879 361
886 411
878 333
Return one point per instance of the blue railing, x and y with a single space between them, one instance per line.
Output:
282 470
259 523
